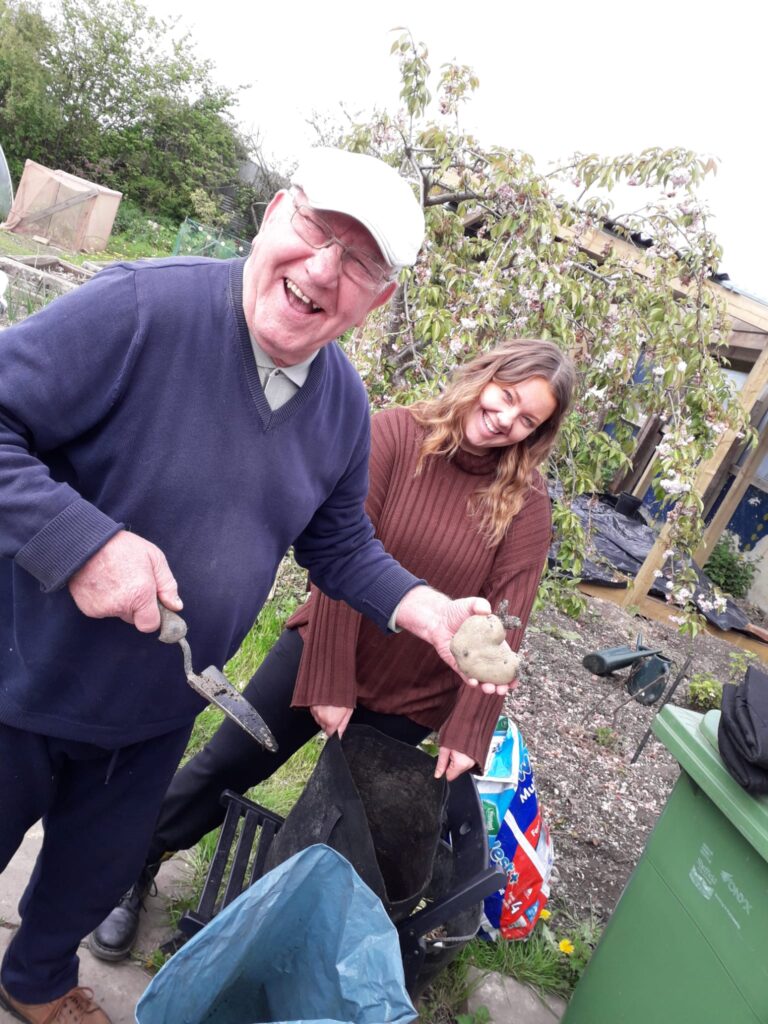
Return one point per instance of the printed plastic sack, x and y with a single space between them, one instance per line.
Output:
307 942
519 840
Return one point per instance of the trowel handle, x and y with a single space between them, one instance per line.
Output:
172 627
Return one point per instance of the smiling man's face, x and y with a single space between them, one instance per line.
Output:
296 298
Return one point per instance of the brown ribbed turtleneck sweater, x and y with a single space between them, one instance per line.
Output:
423 521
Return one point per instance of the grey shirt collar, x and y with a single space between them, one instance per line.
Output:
297 373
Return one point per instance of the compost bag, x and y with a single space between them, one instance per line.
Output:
519 839
376 801
307 942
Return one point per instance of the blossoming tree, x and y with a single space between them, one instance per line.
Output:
512 251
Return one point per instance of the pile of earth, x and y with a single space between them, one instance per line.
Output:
582 731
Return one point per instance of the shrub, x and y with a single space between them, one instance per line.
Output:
705 693
729 568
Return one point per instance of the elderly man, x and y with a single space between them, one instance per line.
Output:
172 428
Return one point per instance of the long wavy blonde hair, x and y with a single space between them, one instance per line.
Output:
443 419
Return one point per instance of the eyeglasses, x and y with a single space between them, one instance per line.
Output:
355 262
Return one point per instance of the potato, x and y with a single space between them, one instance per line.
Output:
482 652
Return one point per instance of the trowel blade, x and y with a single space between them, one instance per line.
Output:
216 688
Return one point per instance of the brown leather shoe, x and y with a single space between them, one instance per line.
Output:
74 1007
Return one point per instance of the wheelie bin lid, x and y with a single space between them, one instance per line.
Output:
691 738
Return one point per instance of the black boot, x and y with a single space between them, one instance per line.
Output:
115 936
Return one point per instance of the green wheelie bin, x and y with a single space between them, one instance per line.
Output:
688 941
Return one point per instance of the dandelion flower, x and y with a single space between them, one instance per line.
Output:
566 946
545 914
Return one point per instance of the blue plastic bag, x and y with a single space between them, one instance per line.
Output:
308 942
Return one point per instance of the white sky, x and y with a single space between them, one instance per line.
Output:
605 76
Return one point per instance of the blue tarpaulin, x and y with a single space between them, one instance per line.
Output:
307 942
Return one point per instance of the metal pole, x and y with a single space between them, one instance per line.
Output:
667 695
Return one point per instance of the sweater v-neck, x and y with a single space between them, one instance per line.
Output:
270 418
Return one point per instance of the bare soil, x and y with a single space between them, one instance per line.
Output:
582 733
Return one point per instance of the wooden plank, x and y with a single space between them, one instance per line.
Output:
596 242
750 393
65 204
729 468
22 273
730 502
660 611
641 487
646 444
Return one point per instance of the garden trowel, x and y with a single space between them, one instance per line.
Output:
214 685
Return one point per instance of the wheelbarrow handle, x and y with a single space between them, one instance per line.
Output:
172 627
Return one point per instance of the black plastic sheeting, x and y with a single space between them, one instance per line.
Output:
622 542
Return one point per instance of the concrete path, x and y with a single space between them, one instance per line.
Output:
510 1002
117 987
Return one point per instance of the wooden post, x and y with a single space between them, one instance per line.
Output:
730 502
655 559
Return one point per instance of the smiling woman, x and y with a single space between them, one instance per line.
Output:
507 413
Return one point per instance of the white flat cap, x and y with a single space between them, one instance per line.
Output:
369 190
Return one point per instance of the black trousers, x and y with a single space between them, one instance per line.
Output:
98 809
232 760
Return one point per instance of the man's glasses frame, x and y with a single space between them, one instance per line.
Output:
357 264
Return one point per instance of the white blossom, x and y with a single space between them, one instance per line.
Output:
611 357
674 485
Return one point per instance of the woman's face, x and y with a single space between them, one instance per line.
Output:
505 414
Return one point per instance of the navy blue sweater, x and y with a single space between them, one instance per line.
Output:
135 402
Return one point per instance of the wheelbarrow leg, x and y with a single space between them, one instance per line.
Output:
679 678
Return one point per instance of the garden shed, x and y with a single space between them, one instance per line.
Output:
63 209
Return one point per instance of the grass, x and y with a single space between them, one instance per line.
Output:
537 962
447 996
551 961
135 235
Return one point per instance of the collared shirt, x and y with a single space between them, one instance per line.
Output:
280 383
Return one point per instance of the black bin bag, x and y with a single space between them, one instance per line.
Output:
376 801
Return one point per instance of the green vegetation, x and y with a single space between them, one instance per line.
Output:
729 568
704 692
606 737
103 89
552 960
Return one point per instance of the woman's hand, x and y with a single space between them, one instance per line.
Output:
331 719
452 763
